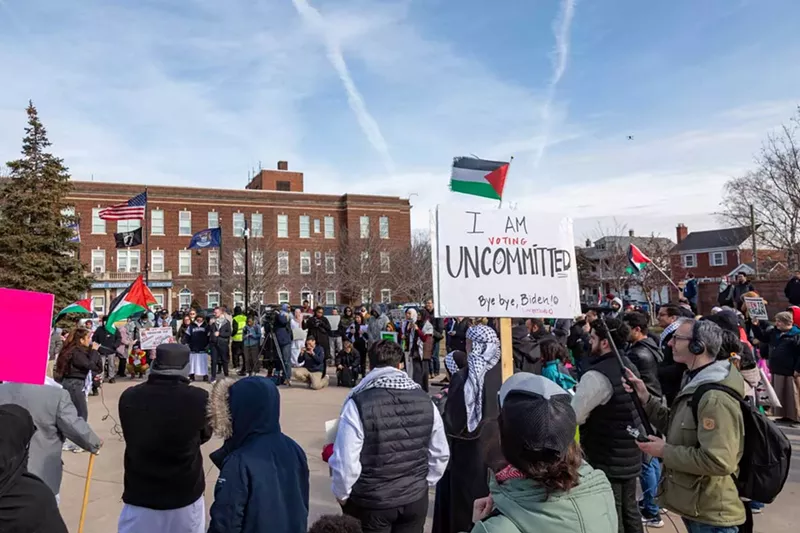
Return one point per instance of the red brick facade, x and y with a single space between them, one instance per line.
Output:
168 281
733 258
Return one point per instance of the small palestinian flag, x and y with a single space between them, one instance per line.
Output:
82 307
479 177
636 259
132 300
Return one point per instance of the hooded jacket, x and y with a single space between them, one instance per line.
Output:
27 505
376 323
263 482
700 457
646 357
527 354
784 348
522 506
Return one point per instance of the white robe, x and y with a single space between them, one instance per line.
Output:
189 519
198 364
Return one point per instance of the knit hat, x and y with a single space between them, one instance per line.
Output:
171 356
539 410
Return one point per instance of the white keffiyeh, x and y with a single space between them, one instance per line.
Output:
484 356
667 330
385 377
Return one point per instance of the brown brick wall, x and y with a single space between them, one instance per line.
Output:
770 290
346 210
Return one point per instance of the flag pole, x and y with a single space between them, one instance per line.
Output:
219 262
147 241
668 278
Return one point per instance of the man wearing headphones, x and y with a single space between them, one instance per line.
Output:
699 456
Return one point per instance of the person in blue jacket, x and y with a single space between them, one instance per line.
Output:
263 480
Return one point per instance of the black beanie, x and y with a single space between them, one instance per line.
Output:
171 356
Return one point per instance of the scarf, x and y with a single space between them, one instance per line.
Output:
484 356
450 364
384 377
667 331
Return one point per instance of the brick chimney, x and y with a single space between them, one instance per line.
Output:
283 165
630 233
681 231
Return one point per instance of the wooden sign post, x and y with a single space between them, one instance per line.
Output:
506 348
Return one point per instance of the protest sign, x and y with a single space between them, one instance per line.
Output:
756 308
298 334
496 263
153 337
333 320
23 358
389 336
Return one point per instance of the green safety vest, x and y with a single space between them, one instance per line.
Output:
241 321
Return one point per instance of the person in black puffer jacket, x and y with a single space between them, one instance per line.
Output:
527 355
643 351
78 357
784 363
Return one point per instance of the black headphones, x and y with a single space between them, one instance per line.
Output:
696 346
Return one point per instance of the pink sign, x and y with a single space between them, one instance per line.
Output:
23 357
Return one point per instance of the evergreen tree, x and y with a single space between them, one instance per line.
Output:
35 249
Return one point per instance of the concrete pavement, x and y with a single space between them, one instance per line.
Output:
303 415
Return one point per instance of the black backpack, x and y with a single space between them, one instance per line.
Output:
764 465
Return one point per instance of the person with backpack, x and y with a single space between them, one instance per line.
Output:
700 455
347 365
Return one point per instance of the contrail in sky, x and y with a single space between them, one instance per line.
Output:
334 51
561 29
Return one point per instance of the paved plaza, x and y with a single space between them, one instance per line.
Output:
303 416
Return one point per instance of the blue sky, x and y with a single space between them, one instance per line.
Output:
377 96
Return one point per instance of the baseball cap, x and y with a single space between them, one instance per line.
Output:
539 410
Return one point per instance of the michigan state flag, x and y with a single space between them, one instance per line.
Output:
132 300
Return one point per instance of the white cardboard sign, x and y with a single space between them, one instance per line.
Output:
497 263
756 308
153 337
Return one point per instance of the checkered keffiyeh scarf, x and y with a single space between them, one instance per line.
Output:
484 356
384 378
450 364
667 330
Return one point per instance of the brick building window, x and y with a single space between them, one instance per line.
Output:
98 261
305 262
330 263
128 225
98 224
317 228
213 219
689 260
184 298
283 263
364 226
156 260
213 262
185 262
283 226
238 298
212 299
238 224
256 225
99 305
305 230
366 296
385 266
384 227
128 260
185 223
716 259
330 232
238 262
283 297
307 295
285 186
330 297
386 296
157 222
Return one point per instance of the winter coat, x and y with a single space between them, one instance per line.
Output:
27 505
197 337
225 331
670 373
523 506
319 328
263 482
283 332
251 336
739 290
56 418
690 289
527 354
784 348
108 341
82 360
56 342
164 422
551 371
646 357
700 457
375 326
792 291
458 340
350 360
313 362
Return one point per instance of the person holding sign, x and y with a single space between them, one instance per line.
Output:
784 363
419 341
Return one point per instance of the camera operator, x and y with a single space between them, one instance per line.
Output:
283 334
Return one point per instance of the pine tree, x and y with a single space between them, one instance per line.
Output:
35 249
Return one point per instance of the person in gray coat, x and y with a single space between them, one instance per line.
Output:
56 418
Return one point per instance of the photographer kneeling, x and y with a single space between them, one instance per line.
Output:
313 370
700 457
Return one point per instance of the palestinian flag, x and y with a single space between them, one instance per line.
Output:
82 307
636 259
132 300
479 177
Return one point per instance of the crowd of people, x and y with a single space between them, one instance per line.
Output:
598 406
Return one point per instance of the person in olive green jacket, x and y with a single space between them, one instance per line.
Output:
700 457
548 487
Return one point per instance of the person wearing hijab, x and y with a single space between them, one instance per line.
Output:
263 482
27 505
296 322
470 418
419 342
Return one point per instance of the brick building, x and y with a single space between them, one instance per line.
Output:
301 245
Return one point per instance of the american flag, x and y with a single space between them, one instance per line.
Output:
133 209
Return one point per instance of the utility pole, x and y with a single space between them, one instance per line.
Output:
246 235
753 236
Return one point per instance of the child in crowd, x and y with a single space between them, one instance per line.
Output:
137 364
554 356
